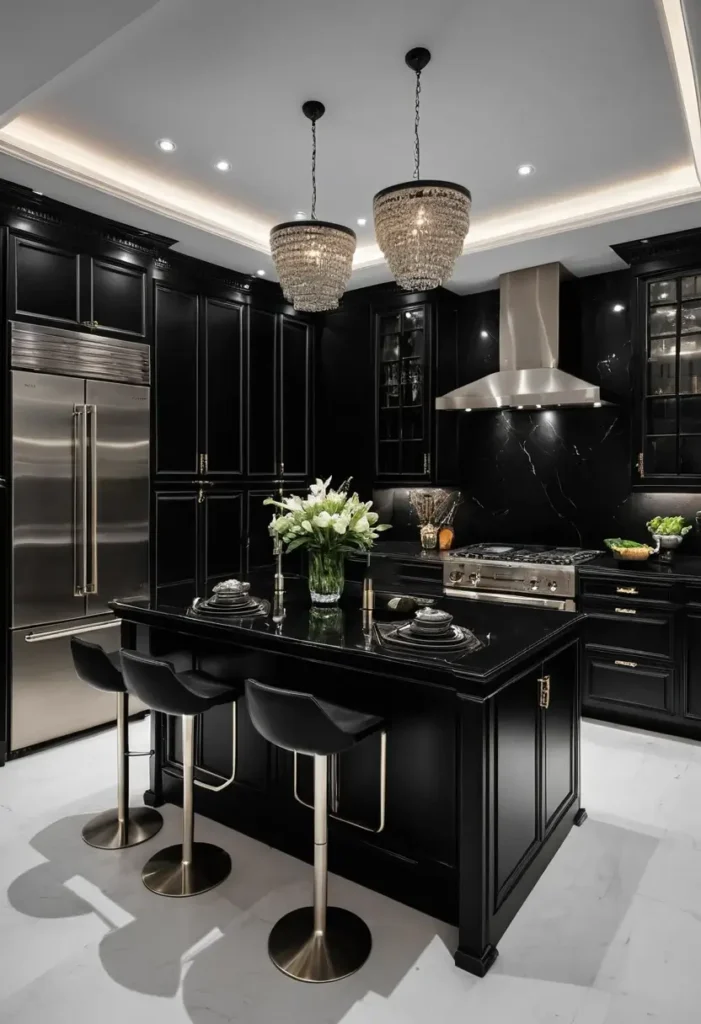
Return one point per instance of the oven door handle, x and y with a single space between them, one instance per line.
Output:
557 604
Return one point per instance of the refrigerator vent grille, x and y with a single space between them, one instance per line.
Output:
75 354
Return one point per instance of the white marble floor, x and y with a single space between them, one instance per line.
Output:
611 934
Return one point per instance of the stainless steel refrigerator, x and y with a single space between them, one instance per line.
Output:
80 510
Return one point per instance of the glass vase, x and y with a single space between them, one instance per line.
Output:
326 576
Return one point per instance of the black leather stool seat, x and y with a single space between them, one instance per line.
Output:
97 667
156 682
301 722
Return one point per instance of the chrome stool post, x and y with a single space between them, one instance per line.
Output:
122 826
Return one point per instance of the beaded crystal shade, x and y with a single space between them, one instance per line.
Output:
421 228
313 259
421 225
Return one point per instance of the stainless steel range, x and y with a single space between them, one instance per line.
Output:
531 574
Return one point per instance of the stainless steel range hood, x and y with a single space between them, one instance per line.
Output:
529 327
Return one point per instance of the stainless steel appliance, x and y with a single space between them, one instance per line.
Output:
80 500
527 574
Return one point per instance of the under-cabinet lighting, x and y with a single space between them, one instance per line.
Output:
260 273
526 169
619 307
166 145
223 165
484 334
597 405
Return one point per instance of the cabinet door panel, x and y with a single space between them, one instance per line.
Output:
118 297
263 455
223 361
560 735
46 282
223 539
692 681
176 382
176 557
516 777
628 627
294 388
259 544
627 682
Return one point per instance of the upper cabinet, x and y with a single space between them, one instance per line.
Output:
63 287
198 379
667 348
279 430
403 392
232 389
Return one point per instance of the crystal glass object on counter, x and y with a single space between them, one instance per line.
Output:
429 536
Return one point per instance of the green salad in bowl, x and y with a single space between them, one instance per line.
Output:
668 526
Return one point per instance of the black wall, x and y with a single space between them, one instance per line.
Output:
558 475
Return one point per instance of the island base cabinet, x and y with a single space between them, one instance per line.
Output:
520 757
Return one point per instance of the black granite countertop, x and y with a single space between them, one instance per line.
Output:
682 567
511 634
401 550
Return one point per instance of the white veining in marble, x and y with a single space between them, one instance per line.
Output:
610 935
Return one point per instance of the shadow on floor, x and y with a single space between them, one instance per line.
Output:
564 929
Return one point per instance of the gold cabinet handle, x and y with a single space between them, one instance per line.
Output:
544 694
626 664
626 611
641 464
626 590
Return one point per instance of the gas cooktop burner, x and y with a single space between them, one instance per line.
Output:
538 554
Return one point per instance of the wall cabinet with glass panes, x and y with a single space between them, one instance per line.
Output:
671 397
403 392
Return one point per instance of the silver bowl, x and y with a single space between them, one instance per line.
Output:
667 544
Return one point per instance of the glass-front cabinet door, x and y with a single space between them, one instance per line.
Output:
402 413
672 388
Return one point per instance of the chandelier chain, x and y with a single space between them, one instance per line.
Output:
417 114
314 169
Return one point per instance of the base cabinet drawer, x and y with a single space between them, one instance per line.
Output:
616 679
625 627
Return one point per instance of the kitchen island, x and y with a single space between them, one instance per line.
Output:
478 783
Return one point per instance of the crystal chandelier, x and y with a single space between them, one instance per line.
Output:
313 258
421 225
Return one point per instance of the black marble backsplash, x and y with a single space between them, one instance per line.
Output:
558 476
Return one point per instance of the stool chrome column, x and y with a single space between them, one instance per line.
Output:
317 943
190 868
122 826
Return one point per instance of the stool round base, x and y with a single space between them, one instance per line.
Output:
106 833
301 953
166 874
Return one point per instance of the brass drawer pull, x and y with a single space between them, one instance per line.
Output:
626 611
627 664
626 590
544 697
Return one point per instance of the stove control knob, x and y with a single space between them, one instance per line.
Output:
552 585
456 575
533 584
474 578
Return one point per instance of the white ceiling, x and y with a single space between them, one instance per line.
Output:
584 91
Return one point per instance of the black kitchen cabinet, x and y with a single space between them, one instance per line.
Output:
667 346
279 421
259 544
536 777
691 694
622 681
403 392
199 385
62 286
198 539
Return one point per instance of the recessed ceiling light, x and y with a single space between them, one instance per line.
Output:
484 334
643 240
526 169
37 192
362 221
619 307
468 410
260 273
300 215
539 406
223 165
519 407
597 405
167 145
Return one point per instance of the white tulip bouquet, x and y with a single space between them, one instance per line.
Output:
330 523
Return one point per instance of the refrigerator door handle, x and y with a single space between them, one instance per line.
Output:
81 500
57 634
91 418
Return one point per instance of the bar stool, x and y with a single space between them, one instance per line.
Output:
317 943
190 868
123 826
